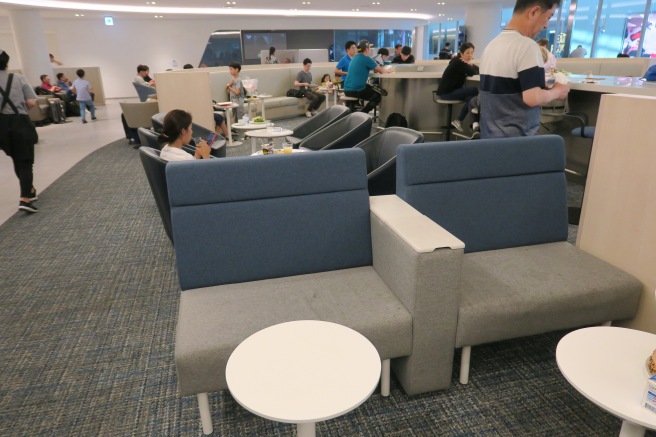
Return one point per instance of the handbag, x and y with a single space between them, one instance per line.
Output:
21 133
293 92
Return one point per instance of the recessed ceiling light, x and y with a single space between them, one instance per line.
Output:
306 3
375 3
79 15
356 10
413 10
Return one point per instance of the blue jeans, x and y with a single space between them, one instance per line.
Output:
83 107
464 93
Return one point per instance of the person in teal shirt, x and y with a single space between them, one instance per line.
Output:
356 81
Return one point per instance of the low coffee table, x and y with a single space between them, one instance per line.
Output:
607 365
303 372
266 133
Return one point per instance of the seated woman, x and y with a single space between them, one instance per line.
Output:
220 125
451 85
177 132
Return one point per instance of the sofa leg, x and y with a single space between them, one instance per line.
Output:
464 364
385 378
608 323
205 415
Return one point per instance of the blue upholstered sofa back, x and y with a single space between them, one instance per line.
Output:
491 194
252 218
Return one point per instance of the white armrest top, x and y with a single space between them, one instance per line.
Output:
420 232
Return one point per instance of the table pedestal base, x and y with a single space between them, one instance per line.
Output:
629 429
307 429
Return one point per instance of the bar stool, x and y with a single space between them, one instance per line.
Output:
449 112
350 102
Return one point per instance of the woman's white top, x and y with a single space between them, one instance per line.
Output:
174 154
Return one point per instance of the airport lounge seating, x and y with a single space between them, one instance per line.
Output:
344 133
305 243
506 200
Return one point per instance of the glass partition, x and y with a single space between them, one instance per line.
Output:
222 48
379 38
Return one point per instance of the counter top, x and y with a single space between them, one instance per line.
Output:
410 75
612 85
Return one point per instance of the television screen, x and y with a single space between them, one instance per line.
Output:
256 41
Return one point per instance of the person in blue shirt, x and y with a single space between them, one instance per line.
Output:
83 89
356 82
341 70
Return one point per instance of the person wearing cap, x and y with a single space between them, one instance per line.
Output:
405 57
17 134
356 82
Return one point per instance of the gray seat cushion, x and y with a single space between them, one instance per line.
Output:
214 320
529 290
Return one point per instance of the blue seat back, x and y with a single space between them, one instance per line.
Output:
251 218
491 194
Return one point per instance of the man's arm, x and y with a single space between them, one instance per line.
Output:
381 70
30 103
538 96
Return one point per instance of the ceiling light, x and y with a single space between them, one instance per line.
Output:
375 3
79 15
306 3
222 11
413 10
355 10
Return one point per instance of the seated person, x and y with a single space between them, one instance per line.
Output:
452 84
142 77
405 57
327 83
220 125
46 85
356 81
550 61
176 133
304 83
65 84
381 56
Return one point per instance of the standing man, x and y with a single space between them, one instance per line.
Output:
356 81
341 69
578 52
512 74
446 52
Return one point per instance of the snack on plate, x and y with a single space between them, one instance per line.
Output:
258 120
652 363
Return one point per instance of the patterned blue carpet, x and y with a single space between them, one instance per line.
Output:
89 299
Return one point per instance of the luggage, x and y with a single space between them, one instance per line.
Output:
57 111
72 108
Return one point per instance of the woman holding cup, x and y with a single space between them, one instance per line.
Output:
176 132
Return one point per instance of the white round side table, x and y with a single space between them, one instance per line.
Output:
303 372
607 365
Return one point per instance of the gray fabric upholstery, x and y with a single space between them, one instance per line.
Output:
380 150
506 199
343 134
214 320
535 289
303 245
158 121
427 285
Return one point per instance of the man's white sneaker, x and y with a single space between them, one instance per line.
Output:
457 125
308 114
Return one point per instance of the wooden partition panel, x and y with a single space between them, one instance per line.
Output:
618 221
188 90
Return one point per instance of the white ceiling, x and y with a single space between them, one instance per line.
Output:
426 10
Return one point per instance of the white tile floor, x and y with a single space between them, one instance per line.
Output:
60 147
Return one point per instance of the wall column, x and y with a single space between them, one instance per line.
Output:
419 42
30 40
482 22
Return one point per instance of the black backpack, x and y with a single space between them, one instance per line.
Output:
396 119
